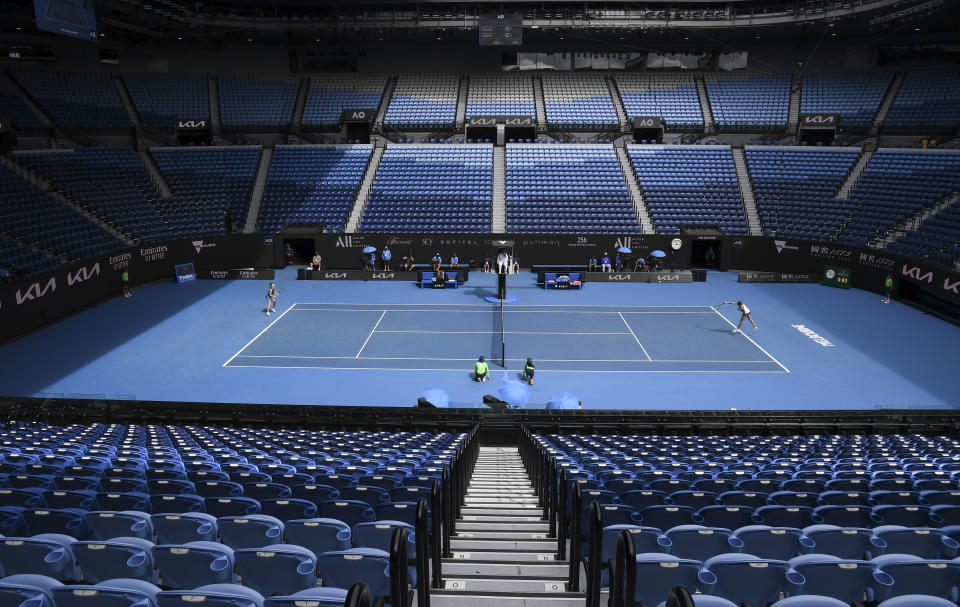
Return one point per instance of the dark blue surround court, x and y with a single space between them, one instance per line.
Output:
616 346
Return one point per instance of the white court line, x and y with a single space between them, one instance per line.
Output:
751 341
559 334
259 334
460 370
629 328
372 331
420 311
356 303
545 360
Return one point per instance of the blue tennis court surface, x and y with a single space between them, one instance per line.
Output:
430 337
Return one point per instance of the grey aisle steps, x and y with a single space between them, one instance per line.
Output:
502 553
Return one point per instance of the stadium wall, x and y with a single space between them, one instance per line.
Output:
65 291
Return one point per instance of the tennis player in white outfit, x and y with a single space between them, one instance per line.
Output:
744 314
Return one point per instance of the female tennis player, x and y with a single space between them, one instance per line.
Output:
744 314
272 298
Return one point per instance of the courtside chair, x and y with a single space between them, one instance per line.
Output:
231 506
372 496
350 512
378 534
666 517
700 542
277 569
914 575
783 516
218 488
803 499
266 491
127 557
727 517
747 578
80 499
105 525
811 600
117 592
704 600
925 542
48 554
343 568
916 600
194 564
170 487
28 590
251 531
826 575
657 573
212 595
183 528
781 543
896 498
845 542
312 597
315 493
289 508
177 503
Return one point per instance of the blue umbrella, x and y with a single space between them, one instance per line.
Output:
437 397
624 250
564 400
368 249
514 393
657 253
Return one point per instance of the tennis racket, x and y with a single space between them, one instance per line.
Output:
716 308
281 291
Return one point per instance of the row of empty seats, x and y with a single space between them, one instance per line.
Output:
430 188
739 101
77 504
759 519
571 188
689 186
37 218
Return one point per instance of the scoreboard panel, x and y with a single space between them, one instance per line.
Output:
835 276
501 31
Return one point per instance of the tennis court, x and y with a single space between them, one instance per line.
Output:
438 337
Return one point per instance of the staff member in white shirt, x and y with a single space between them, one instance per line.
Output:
744 314
503 262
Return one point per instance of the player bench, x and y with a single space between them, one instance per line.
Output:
427 281
565 280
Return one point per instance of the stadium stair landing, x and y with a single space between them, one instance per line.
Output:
502 555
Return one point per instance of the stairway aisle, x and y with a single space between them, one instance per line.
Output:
502 556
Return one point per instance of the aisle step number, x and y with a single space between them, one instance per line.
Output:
465 556
455 585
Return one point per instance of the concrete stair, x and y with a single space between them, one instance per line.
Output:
384 103
213 94
887 103
498 221
256 195
754 227
793 115
297 119
502 553
708 126
912 223
363 193
618 105
159 181
636 194
462 104
866 154
128 103
539 105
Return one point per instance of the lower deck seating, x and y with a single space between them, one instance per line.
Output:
312 184
897 185
431 188
569 188
687 185
36 217
112 182
796 189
